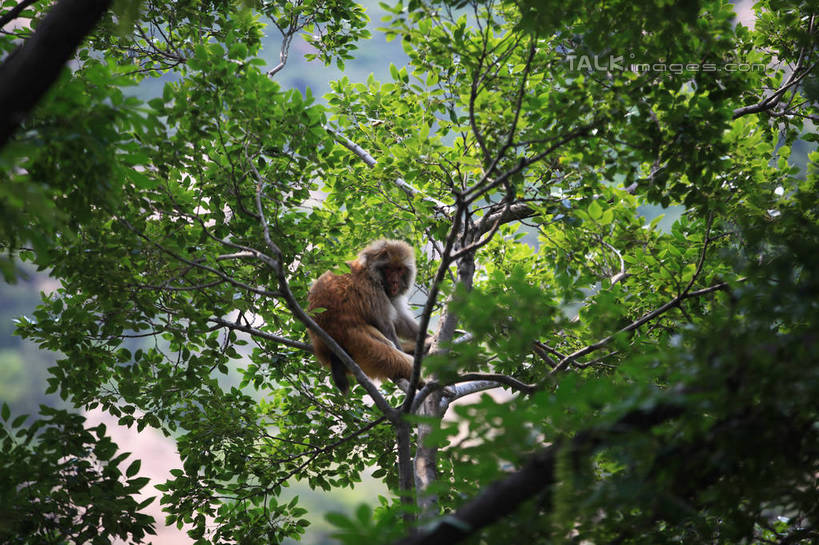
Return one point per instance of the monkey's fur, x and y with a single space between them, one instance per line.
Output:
366 313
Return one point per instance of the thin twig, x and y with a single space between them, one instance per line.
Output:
684 294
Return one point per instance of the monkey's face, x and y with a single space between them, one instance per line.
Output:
390 264
394 279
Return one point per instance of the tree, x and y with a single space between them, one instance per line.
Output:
661 382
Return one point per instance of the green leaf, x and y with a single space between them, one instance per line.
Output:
133 469
18 421
595 212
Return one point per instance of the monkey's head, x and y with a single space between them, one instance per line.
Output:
390 264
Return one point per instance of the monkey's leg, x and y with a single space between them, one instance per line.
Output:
337 369
376 355
339 373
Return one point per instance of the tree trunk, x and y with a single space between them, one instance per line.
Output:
426 459
405 471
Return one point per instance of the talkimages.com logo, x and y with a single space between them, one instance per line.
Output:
612 64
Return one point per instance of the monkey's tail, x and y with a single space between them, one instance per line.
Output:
339 373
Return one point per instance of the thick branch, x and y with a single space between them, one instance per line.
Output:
32 69
426 456
14 12
505 496
469 384
360 152
468 388
426 315
516 211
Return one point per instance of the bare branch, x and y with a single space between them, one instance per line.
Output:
542 354
549 349
370 161
596 361
465 338
468 388
621 275
255 332
513 212
362 154
504 380
469 384
283 52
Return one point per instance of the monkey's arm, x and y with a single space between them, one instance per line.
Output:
387 329
405 325
407 328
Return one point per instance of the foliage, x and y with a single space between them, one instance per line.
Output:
62 482
664 379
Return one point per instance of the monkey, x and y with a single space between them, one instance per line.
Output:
366 312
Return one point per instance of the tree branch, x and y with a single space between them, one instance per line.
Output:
504 496
684 294
516 211
432 296
470 383
482 187
197 262
30 70
504 380
565 362
262 334
370 161
795 77
318 452
12 14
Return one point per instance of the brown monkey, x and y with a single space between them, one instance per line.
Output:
366 312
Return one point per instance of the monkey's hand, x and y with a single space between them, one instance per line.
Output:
428 343
409 346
